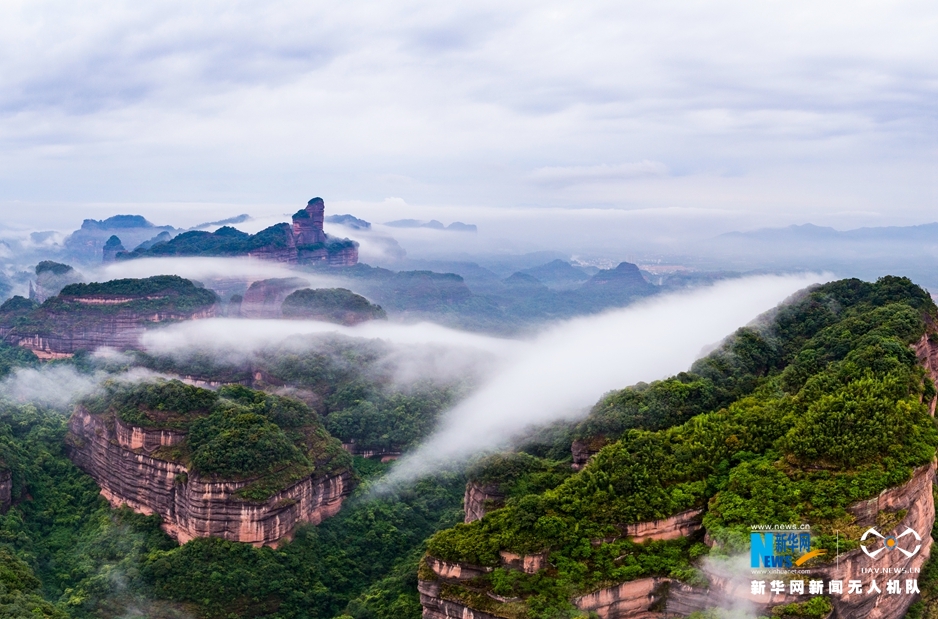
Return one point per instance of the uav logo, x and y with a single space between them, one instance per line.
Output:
890 543
778 550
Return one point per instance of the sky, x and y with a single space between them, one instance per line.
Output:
710 115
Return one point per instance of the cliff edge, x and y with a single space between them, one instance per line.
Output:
237 464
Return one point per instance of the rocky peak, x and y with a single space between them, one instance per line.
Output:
308 222
111 248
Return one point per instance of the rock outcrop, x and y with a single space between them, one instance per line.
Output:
265 297
126 463
302 242
584 449
6 490
113 314
112 247
660 598
481 499
338 305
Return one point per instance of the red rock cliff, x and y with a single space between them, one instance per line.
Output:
122 460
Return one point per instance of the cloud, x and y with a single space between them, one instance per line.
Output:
568 367
746 103
242 269
603 173
59 386
413 352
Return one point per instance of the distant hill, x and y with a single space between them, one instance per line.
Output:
433 224
87 243
927 233
557 274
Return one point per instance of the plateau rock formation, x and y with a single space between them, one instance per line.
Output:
88 242
338 305
265 297
114 314
126 463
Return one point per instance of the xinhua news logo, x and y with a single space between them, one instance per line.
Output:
780 549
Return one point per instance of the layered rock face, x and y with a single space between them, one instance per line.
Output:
264 298
81 318
661 598
308 222
6 490
124 461
480 499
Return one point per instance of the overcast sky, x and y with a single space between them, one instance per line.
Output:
742 113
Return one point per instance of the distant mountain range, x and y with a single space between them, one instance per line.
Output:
809 232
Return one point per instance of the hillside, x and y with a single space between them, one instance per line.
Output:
236 463
796 421
114 313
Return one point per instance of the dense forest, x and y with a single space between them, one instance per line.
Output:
790 420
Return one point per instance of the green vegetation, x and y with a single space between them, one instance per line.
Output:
825 409
234 433
332 304
388 422
12 357
93 561
17 304
226 241
351 384
158 292
55 268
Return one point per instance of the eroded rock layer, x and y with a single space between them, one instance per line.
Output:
124 462
659 598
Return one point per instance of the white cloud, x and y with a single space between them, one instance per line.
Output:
571 175
745 103
568 367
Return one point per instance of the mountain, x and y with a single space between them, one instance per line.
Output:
113 314
217 464
87 243
821 414
304 242
557 274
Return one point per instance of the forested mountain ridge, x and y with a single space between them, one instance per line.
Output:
790 422
743 435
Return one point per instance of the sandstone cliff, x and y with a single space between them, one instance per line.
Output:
121 459
661 598
114 314
146 469
481 499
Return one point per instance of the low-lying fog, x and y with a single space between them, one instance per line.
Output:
519 384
